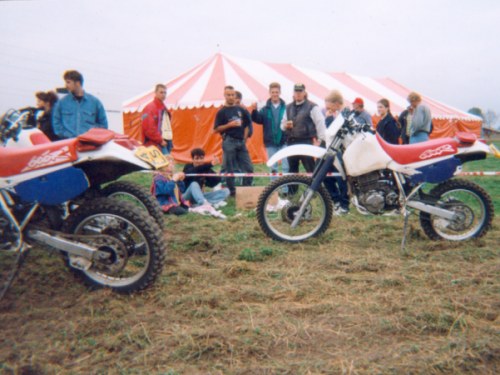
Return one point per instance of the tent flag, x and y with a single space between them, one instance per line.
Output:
199 92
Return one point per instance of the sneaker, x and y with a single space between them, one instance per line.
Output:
271 208
341 211
281 203
220 204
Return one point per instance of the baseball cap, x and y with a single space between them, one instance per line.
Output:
299 87
358 101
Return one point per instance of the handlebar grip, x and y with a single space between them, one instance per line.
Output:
368 128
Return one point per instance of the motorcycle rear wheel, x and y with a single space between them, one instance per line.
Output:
138 195
279 202
141 236
469 201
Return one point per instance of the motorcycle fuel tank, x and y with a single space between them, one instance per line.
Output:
53 188
365 155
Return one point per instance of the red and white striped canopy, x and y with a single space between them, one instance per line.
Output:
203 86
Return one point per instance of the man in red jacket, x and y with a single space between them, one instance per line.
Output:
156 124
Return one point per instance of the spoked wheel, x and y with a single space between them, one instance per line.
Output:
131 257
138 195
280 202
471 204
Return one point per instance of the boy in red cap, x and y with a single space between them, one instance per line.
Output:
360 115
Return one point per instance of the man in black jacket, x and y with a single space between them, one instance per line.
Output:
270 117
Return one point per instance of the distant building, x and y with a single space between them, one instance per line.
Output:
490 133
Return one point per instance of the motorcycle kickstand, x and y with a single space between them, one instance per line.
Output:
405 230
21 256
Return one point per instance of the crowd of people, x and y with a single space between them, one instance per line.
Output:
299 122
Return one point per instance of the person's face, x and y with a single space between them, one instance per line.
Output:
333 107
170 168
357 107
299 96
198 160
414 103
40 103
72 86
275 93
161 94
230 96
381 109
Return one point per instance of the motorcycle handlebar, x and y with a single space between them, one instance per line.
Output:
11 125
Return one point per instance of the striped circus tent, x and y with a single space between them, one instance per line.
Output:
195 96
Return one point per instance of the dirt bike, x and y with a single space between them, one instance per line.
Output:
44 202
382 179
129 191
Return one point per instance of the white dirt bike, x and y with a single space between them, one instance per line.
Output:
129 191
44 202
382 179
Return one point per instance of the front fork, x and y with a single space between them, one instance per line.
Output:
318 177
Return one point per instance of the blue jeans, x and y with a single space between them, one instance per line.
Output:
271 150
236 155
337 187
166 150
419 137
195 195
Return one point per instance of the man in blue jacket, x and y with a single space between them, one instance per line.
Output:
78 111
270 117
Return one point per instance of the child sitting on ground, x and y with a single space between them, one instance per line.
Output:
169 189
200 166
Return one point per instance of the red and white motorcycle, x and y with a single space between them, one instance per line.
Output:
44 201
129 191
382 179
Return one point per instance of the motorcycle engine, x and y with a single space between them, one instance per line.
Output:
376 191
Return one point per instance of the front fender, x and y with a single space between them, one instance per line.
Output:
295 150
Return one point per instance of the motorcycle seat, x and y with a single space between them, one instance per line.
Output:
96 136
466 139
21 160
418 152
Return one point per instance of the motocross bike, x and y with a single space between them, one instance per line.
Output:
129 191
43 202
382 179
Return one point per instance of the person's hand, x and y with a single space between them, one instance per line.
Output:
289 124
316 142
215 160
163 143
179 176
235 123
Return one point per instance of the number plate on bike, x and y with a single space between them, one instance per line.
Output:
152 156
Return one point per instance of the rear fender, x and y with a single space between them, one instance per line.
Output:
296 150
476 147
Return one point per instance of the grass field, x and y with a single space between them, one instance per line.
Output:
231 301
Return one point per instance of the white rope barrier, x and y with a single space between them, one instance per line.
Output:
263 174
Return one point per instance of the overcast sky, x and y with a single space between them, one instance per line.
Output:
445 49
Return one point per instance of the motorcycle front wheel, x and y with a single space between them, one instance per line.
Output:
280 202
471 204
137 262
138 195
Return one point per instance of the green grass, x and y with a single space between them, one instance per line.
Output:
231 301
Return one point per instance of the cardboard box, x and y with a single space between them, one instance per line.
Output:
248 196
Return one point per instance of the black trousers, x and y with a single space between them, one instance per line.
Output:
294 161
